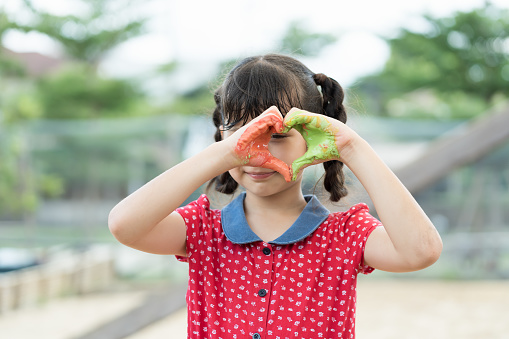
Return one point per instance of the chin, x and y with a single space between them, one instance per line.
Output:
270 188
265 187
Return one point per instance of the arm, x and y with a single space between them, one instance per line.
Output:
408 241
146 220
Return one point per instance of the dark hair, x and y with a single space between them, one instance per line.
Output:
256 83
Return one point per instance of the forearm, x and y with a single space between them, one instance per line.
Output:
141 211
411 232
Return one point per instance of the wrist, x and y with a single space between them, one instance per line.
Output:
354 150
226 152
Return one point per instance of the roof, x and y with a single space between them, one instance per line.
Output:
36 64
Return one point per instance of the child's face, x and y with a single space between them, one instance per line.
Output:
262 181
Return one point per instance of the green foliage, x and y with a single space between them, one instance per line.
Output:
17 192
168 68
299 41
424 104
75 91
5 24
89 36
79 93
194 102
463 57
50 186
9 67
21 106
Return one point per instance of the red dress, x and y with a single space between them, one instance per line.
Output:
301 285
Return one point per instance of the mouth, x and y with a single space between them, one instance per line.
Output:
260 175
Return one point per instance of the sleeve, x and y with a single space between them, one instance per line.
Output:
195 215
358 226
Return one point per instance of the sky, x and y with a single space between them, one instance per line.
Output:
200 34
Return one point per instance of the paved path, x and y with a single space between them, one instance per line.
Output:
67 318
432 309
407 309
397 309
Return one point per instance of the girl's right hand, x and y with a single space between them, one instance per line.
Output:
252 142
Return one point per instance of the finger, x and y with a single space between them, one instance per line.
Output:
270 118
276 120
275 110
258 127
298 165
279 166
304 161
317 153
292 119
310 120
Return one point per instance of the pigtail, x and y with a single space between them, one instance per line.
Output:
333 96
224 183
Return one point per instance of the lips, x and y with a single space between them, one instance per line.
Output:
260 175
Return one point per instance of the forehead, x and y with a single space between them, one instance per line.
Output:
244 97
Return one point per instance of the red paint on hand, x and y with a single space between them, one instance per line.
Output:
253 145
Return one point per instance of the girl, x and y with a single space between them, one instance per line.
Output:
275 263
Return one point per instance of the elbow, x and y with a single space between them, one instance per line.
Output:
438 249
114 225
432 256
428 254
117 227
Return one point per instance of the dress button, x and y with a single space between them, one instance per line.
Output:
266 251
256 336
262 293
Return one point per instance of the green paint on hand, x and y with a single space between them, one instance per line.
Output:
319 135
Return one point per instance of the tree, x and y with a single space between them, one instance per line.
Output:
297 40
89 36
75 91
8 67
460 62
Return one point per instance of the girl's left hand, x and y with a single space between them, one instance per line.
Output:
325 137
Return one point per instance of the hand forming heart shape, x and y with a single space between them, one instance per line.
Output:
320 135
253 145
318 132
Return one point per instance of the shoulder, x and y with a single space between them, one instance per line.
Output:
355 212
200 204
201 221
356 219
199 212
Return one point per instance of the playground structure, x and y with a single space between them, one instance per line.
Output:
69 274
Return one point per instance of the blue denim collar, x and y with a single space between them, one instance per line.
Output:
237 230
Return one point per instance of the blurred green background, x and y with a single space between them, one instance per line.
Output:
78 132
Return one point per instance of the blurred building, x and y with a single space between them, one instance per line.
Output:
35 64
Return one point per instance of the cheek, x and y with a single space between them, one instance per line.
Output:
235 173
